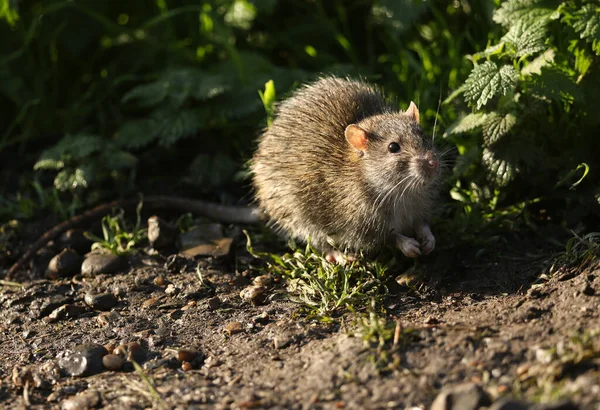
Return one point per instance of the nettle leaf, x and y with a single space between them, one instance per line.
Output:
469 122
586 22
526 37
147 95
173 125
543 60
137 134
497 125
487 80
76 146
176 86
238 105
554 84
195 83
512 11
500 171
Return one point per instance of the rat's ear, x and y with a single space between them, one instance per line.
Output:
413 112
356 136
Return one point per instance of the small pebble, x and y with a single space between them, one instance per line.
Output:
233 328
214 303
89 399
131 351
186 355
82 360
468 396
263 280
255 294
431 320
150 302
110 347
101 301
160 281
108 318
65 312
507 404
171 290
113 362
66 263
263 318
98 263
502 388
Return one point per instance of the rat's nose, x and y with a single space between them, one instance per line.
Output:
432 160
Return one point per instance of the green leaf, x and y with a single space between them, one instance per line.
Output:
512 11
555 84
465 124
173 125
195 83
147 95
137 134
543 60
586 22
76 146
268 99
526 37
487 81
8 12
497 125
500 171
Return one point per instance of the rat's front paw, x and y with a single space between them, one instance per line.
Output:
426 238
409 246
427 243
340 258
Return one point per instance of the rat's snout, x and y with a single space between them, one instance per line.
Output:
431 160
428 164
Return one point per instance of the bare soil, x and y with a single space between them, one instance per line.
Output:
498 320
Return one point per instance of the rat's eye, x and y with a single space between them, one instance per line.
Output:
394 148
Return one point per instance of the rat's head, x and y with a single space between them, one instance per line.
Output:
395 152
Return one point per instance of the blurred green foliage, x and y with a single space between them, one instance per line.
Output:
127 91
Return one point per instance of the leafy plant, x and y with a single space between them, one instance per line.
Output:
579 252
385 339
324 287
118 236
532 104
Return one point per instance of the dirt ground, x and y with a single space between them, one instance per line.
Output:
498 320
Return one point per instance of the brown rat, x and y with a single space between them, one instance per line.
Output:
338 165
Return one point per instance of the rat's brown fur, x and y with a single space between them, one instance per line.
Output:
315 186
